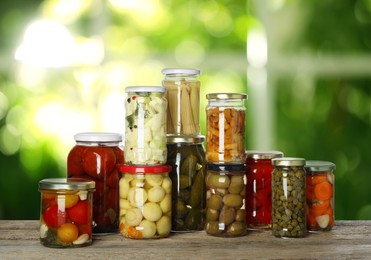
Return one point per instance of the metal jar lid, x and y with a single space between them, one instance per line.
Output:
226 96
66 184
228 167
170 71
262 154
170 139
133 89
319 166
98 137
288 161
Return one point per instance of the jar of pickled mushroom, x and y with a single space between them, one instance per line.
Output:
258 199
145 130
95 157
320 195
183 95
186 156
225 128
225 212
145 201
66 212
288 197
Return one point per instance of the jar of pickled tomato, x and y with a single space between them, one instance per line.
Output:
258 195
225 212
183 96
320 195
96 157
66 212
186 156
225 128
145 129
145 201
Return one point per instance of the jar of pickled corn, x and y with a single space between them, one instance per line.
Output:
258 195
66 212
145 129
225 128
183 96
320 195
96 156
145 201
225 212
288 197
186 156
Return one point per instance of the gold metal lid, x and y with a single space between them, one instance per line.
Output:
226 96
288 161
66 184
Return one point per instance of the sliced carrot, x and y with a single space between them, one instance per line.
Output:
314 180
319 208
323 191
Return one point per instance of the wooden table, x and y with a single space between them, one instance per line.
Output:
347 240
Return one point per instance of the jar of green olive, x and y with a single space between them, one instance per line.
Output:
288 197
225 209
186 156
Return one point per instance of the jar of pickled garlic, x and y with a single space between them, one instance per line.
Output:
66 212
145 130
225 128
183 95
320 195
186 156
145 201
258 195
288 197
225 207
95 156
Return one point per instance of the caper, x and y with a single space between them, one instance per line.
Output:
215 202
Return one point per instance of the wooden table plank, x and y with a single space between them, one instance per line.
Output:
348 239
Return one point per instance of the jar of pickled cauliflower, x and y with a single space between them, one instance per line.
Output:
145 201
258 199
145 129
320 195
66 212
95 157
225 207
183 96
186 156
225 128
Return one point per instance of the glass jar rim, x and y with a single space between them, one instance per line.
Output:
98 137
288 161
171 139
170 71
263 154
230 167
123 168
66 184
131 89
226 96
319 166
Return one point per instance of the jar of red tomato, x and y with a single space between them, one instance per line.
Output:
95 157
258 193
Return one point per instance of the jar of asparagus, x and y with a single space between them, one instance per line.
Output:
183 95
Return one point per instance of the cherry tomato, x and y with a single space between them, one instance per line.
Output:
86 228
119 155
54 217
113 199
79 213
113 179
74 161
68 233
98 161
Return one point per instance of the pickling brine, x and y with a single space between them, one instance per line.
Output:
145 130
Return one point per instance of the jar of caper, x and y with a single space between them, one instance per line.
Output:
288 197
225 207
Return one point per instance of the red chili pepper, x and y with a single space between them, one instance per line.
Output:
134 97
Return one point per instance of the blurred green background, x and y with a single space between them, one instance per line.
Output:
306 66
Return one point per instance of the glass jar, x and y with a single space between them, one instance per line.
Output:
258 195
66 212
145 201
288 197
320 195
145 130
225 207
95 157
186 156
183 95
225 128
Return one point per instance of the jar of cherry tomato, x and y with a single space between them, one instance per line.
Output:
320 195
95 157
258 193
225 128
145 201
66 212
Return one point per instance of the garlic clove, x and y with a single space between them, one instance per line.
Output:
82 239
43 230
323 220
83 194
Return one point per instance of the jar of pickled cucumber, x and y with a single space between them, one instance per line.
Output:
288 197
258 199
66 212
225 128
225 207
183 95
145 128
145 201
95 157
320 195
186 156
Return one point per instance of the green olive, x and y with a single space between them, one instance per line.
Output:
215 202
236 229
227 215
241 215
233 200
212 228
237 184
212 214
217 181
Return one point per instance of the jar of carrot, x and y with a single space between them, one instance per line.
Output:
320 195
225 128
